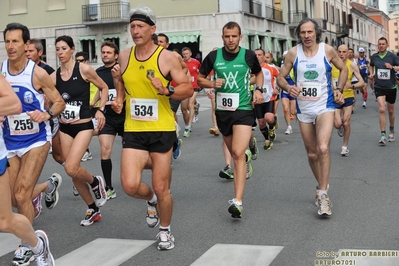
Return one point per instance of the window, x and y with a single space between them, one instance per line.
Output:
56 4
395 24
44 55
88 44
396 31
18 7
396 39
113 39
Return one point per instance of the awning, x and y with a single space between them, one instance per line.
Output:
111 36
88 37
255 42
277 47
183 36
288 44
268 44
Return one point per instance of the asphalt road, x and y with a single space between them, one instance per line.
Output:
280 225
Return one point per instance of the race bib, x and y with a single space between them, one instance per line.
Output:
22 125
383 74
111 96
70 114
335 83
144 109
227 101
311 91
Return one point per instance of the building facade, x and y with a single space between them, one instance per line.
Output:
267 24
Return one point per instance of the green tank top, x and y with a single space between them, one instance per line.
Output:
235 94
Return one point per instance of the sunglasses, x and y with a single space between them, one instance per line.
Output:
80 60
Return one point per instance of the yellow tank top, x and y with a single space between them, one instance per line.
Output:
348 92
146 111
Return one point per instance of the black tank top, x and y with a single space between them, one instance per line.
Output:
75 91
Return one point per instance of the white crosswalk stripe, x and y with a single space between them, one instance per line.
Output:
102 252
8 243
238 255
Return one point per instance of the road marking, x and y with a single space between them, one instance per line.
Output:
8 243
238 255
104 252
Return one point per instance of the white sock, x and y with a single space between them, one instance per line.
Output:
322 192
39 247
164 228
154 199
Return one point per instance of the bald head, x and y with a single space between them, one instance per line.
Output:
343 52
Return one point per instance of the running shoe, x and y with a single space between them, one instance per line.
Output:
316 200
288 131
248 159
235 208
292 117
91 217
75 191
37 205
177 151
324 205
152 218
268 145
52 197
364 104
214 131
44 258
87 156
227 173
345 152
254 150
99 192
391 137
195 119
275 119
186 133
166 240
22 256
111 194
340 131
383 140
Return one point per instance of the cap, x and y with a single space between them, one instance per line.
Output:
361 50
285 53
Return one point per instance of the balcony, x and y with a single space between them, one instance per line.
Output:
274 13
252 7
295 17
105 13
343 31
322 23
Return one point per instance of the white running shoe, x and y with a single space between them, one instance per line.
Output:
166 240
324 205
45 258
288 131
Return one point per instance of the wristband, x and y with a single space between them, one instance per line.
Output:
259 88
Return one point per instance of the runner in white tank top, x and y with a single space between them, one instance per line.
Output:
315 100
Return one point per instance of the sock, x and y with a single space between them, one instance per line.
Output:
392 129
39 247
50 186
164 228
322 192
93 206
344 147
154 199
265 132
272 125
365 94
383 133
106 166
95 182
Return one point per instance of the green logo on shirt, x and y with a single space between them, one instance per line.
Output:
311 74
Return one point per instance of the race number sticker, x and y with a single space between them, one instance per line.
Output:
227 101
267 93
144 109
111 96
383 74
22 125
70 114
311 91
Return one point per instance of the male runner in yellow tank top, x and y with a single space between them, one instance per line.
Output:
343 112
145 73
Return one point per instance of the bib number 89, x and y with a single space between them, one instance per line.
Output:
228 102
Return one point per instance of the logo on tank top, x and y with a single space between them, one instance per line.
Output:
231 80
311 74
150 72
28 97
4 74
65 96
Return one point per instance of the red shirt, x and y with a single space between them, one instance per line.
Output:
193 66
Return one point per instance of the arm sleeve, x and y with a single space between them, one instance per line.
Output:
252 62
207 64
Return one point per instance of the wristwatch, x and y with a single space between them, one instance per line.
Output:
171 91
340 90
259 88
50 113
102 110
